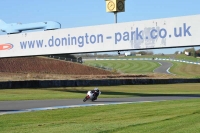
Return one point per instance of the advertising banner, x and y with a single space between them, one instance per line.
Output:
138 35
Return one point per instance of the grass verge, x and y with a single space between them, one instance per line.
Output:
127 66
181 116
107 91
185 70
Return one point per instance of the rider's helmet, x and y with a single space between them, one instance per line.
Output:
96 89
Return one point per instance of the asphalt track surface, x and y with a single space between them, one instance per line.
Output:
164 68
11 107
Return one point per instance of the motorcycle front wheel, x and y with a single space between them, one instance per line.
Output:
85 99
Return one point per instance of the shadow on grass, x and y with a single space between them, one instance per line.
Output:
8 110
114 93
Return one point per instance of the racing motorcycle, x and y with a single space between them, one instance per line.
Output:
90 96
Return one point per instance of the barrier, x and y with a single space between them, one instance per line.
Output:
100 82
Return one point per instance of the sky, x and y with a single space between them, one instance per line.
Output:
79 13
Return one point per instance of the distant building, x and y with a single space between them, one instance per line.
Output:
127 53
187 53
138 54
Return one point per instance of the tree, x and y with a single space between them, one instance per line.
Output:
149 52
191 51
133 53
142 52
145 52
176 52
198 52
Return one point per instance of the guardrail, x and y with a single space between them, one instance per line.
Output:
98 82
78 60
183 61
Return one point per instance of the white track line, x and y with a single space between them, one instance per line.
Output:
71 106
166 70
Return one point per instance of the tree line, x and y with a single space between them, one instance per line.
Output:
191 51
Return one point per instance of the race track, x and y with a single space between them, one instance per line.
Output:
10 107
164 68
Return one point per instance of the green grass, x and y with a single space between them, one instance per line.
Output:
127 66
188 58
181 116
185 70
107 91
147 67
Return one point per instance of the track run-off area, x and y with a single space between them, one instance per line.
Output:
12 107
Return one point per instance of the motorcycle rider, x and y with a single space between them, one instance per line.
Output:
95 92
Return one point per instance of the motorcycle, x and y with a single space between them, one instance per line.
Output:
89 96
